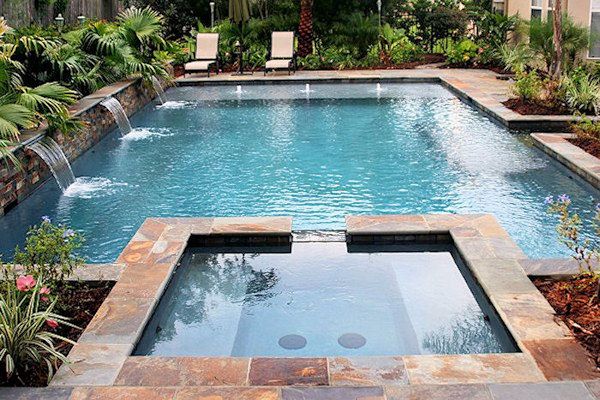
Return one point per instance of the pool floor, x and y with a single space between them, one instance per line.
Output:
322 300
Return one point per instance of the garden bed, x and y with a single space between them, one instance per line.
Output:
527 108
82 301
573 302
589 146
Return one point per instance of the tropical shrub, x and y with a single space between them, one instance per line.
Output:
48 252
358 31
462 52
515 57
584 249
27 322
528 86
586 129
396 47
580 91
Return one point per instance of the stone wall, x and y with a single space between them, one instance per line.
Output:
16 185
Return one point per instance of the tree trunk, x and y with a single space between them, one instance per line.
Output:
305 30
557 39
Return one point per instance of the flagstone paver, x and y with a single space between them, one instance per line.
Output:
117 393
438 392
562 359
228 393
288 371
367 371
333 393
541 391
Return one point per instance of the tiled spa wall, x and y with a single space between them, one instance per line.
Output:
16 185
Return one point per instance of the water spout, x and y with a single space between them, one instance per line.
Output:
307 88
379 89
160 93
51 153
118 112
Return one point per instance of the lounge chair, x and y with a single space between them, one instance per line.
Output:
282 55
207 53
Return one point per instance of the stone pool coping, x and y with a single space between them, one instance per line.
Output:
573 157
479 88
102 355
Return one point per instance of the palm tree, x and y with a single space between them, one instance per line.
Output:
305 30
557 39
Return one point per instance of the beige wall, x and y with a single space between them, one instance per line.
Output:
579 9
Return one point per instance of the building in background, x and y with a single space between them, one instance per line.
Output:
583 12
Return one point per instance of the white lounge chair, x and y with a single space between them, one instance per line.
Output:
207 53
282 55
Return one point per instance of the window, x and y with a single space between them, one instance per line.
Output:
595 29
498 7
536 9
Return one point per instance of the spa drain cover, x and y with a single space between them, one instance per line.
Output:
292 342
352 340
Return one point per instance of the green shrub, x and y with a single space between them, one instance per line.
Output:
586 129
26 324
515 57
311 62
528 86
580 91
462 53
49 252
397 47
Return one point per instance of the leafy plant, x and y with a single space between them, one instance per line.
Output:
49 252
517 57
462 53
528 86
580 91
27 321
585 128
583 249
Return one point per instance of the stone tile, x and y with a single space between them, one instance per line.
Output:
367 371
166 252
551 267
23 393
214 371
473 368
151 230
118 321
228 393
562 359
123 393
594 387
288 371
540 391
386 224
142 281
437 392
183 371
91 365
499 276
333 393
98 272
530 317
177 233
246 225
136 252
149 371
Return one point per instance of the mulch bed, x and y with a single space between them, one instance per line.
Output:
82 300
590 146
526 108
572 301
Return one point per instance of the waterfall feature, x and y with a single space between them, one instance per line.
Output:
118 112
55 158
158 89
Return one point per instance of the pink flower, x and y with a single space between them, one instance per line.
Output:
52 323
43 292
25 283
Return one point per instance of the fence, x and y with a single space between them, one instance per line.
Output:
24 12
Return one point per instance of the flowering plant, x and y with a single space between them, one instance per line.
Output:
584 250
49 252
27 324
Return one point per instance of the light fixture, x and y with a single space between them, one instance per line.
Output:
379 11
60 20
81 19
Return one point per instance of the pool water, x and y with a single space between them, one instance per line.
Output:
276 150
322 300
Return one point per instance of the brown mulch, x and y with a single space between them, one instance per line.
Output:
590 146
572 301
528 108
81 301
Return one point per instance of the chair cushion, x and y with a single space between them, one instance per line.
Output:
199 65
278 64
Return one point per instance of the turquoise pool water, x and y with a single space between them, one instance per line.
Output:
319 300
318 156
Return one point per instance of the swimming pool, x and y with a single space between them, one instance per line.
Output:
323 299
277 150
